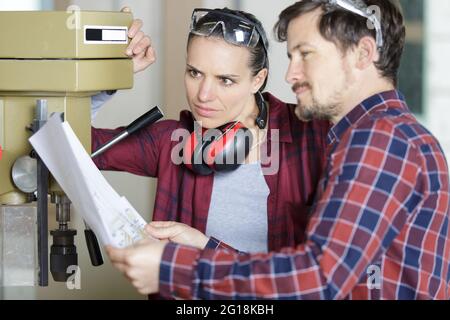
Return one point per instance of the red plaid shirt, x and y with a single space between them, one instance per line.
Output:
379 230
185 197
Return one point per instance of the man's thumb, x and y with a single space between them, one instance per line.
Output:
126 9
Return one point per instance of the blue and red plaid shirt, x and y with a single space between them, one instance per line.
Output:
185 197
379 229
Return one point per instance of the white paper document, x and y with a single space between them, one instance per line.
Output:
112 218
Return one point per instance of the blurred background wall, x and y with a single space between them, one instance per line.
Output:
423 79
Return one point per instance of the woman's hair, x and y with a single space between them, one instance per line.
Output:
258 55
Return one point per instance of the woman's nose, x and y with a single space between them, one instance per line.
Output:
206 91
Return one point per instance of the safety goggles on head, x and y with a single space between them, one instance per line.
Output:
236 29
358 7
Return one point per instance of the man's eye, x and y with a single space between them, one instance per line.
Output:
305 54
227 81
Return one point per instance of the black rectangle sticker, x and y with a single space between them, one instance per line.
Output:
105 35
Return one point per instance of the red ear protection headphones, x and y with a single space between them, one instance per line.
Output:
222 149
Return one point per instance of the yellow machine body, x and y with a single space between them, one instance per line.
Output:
64 58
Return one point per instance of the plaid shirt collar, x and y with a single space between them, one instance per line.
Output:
361 111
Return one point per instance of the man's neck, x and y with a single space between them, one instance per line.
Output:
361 93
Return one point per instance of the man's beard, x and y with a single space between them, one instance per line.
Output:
317 110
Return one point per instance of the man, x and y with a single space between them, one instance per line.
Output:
380 226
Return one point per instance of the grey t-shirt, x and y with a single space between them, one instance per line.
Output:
238 211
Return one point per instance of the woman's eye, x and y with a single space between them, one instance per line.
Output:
194 73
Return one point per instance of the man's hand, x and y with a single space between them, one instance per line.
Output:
140 47
139 263
177 232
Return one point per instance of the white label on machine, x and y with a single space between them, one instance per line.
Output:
105 35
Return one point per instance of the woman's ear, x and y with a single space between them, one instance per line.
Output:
259 79
366 53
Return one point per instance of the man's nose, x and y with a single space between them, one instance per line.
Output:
295 72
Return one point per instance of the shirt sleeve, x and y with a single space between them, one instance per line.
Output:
137 154
373 185
98 100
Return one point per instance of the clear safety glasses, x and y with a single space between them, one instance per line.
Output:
236 30
358 7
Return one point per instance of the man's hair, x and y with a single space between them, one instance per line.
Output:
346 29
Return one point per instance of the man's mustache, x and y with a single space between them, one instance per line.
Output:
299 85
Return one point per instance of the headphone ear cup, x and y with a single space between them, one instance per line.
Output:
232 149
193 154
198 163
213 141
217 150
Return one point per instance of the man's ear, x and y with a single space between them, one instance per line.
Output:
366 53
259 79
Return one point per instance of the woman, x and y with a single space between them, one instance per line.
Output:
250 208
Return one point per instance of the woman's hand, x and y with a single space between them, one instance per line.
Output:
140 47
177 232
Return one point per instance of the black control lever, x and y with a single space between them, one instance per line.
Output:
148 118
93 247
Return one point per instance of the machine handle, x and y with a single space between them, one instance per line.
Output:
94 249
147 118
